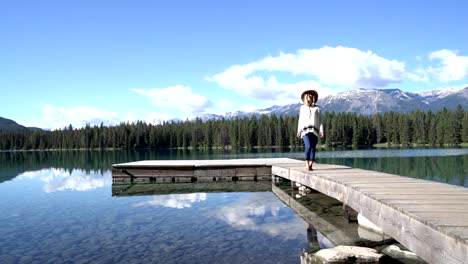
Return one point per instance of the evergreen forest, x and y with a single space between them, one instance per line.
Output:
444 127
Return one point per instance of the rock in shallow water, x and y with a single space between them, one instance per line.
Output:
344 254
403 255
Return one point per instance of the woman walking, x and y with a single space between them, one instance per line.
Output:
309 127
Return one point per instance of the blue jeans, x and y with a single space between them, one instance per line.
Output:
310 142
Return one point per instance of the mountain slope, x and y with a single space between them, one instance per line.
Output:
372 101
449 98
10 125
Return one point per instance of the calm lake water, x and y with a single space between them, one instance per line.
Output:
57 207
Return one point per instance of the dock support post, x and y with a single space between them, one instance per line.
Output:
349 213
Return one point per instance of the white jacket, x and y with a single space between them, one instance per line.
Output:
309 120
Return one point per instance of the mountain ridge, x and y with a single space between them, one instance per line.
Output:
368 102
11 125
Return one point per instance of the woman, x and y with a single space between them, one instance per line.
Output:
309 127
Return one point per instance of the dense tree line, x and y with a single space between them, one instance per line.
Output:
444 127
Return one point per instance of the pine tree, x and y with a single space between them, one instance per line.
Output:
465 127
457 125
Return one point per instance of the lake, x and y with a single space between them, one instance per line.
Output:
58 207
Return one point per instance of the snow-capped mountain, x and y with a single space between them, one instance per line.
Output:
449 98
371 101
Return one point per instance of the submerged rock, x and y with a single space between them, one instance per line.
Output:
402 254
366 223
343 255
371 235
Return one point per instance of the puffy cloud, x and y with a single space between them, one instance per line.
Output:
326 67
179 98
225 104
59 117
420 75
451 68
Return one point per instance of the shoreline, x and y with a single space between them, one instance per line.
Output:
230 148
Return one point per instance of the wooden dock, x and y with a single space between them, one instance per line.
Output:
186 171
429 218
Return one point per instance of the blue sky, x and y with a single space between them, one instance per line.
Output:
78 62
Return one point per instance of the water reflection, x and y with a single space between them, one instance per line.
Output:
92 227
323 218
327 225
128 189
262 214
79 221
441 165
60 179
256 211
178 201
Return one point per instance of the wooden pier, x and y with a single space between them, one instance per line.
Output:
429 218
186 171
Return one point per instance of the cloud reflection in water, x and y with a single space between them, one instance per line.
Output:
261 213
178 201
61 179
256 212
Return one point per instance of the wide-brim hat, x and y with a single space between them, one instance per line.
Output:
312 92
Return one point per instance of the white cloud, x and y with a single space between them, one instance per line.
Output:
451 68
420 75
176 99
178 201
327 69
59 117
222 106
225 104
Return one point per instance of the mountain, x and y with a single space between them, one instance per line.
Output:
10 125
371 101
449 98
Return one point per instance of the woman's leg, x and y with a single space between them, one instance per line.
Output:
313 140
307 148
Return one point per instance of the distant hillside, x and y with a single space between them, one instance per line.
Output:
10 125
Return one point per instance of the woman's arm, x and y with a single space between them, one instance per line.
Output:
320 123
299 122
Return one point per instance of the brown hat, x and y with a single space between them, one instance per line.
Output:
313 92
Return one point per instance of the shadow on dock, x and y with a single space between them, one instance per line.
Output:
193 187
